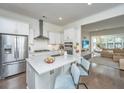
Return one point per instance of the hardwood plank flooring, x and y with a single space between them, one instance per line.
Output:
104 77
14 82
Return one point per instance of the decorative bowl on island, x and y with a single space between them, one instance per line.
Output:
49 60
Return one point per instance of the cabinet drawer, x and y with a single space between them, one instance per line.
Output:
13 68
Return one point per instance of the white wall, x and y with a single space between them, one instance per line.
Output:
34 28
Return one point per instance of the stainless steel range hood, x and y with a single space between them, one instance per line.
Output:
41 31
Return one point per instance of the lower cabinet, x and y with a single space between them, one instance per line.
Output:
30 77
53 74
66 69
42 81
46 80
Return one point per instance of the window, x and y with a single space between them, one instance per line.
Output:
109 41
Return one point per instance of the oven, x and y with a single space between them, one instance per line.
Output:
68 46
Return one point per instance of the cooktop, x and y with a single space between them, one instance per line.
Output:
45 50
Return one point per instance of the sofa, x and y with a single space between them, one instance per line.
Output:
118 54
107 53
115 54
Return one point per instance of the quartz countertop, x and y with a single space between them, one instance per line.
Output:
38 64
45 53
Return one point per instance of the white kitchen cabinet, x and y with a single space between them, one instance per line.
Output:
55 38
30 76
52 38
66 68
35 27
34 81
22 28
52 78
53 75
42 81
62 38
31 37
7 26
72 34
69 35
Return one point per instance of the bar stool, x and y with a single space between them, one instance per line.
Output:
68 81
84 67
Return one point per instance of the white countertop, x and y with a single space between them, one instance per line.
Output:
47 53
37 62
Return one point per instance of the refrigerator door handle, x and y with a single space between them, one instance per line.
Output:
14 53
17 52
18 44
15 48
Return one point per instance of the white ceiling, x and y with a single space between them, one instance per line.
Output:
70 12
111 23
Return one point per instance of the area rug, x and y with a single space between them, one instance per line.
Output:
105 61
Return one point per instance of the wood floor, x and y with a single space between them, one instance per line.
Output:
104 77
101 77
14 82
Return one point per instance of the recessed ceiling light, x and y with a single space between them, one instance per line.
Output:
89 3
60 18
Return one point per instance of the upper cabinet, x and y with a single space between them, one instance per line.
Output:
13 27
72 34
7 26
62 37
22 28
55 38
52 38
69 35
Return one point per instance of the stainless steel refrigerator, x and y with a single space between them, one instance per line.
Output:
13 51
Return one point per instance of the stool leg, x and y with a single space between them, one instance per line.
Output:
83 84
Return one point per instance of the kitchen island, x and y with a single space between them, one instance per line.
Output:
41 75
